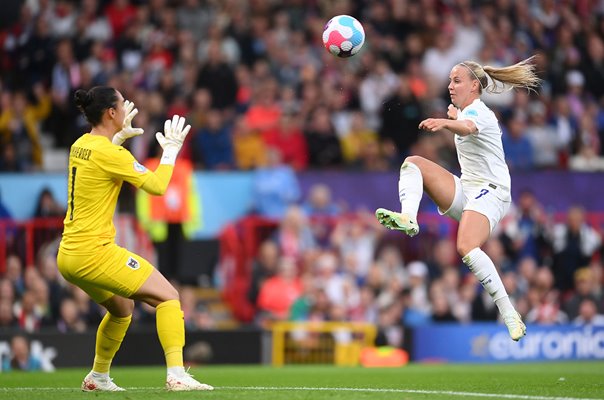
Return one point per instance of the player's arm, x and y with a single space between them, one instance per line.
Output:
171 142
157 181
462 127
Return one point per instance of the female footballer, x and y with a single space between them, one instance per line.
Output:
88 255
481 197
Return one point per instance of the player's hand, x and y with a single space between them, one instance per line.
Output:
433 124
452 112
173 138
127 131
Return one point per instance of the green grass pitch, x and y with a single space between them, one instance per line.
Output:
543 381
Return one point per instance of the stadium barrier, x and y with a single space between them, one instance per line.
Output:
338 343
26 238
141 347
485 342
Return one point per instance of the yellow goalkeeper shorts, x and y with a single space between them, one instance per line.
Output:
107 270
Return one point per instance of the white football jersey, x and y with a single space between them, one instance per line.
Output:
480 155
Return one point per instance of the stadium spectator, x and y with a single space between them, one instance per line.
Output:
294 236
585 288
319 203
323 144
69 320
519 152
279 292
546 305
401 114
7 291
120 14
275 187
442 257
5 221
28 315
19 127
441 309
249 148
21 358
218 77
287 138
524 232
212 144
66 78
264 267
14 274
588 314
87 308
574 243
340 288
356 239
7 319
542 137
356 138
47 205
418 306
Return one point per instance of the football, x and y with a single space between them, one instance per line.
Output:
343 36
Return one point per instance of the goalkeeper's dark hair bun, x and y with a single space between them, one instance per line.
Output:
82 98
94 102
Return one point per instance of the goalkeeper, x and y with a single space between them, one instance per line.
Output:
88 255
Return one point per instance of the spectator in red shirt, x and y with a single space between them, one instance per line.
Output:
278 293
287 138
120 13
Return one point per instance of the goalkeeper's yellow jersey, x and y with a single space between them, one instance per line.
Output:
97 169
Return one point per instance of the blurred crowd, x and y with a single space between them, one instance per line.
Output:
317 265
253 77
262 93
320 262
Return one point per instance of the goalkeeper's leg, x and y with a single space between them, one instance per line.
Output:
109 337
158 292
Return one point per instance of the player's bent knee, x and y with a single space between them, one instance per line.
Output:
464 247
173 294
119 306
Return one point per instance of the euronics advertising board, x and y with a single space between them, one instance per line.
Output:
491 343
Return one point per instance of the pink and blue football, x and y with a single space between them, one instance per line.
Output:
343 36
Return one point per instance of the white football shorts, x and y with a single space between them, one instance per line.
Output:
483 199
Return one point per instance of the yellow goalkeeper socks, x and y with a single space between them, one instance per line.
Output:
171 331
109 337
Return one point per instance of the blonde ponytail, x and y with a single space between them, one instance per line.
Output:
519 75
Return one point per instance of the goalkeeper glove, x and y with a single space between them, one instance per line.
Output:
172 139
127 130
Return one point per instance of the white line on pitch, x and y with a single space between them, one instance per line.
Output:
333 389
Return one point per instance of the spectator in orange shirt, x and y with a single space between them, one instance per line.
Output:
278 293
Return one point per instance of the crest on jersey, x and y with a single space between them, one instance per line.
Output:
472 113
132 263
138 167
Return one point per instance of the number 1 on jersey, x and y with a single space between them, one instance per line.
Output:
73 176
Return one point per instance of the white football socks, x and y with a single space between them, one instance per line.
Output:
483 268
410 189
100 375
176 371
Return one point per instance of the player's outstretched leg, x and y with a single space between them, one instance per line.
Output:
94 382
397 221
